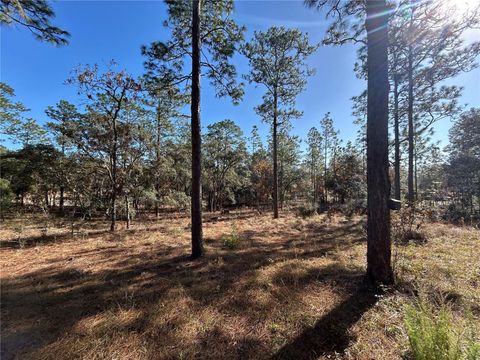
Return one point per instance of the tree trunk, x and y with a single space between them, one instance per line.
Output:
113 207
197 240
411 198
62 187
275 157
127 211
325 172
397 139
379 268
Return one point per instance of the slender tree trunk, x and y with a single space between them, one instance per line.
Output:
157 154
127 211
379 268
62 187
275 156
197 236
325 172
415 170
113 207
410 197
397 139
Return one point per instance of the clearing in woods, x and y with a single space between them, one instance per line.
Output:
290 288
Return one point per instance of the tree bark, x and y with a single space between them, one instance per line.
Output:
275 156
379 268
397 138
113 207
127 211
197 237
411 191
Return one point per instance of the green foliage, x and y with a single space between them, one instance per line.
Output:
224 162
6 196
277 59
431 333
307 211
220 36
232 241
178 200
35 15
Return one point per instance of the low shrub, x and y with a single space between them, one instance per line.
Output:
433 335
307 211
232 241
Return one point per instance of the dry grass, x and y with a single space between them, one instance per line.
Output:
293 290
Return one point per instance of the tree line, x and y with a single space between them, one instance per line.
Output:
131 145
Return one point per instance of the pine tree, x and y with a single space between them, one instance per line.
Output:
278 62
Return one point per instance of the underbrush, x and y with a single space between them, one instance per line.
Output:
434 335
233 240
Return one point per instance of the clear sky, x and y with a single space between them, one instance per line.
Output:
105 30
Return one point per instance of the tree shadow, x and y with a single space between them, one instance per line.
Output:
49 302
330 334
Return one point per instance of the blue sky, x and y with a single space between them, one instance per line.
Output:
105 30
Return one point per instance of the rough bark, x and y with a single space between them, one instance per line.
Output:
397 139
378 246
113 206
275 157
411 190
197 237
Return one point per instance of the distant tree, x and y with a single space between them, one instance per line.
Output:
314 160
290 171
463 168
35 15
330 147
98 133
204 32
349 178
63 114
31 170
10 111
225 155
278 62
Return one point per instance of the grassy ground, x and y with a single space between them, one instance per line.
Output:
292 289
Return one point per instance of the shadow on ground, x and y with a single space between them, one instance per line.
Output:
41 306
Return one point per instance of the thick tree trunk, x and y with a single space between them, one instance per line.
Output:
397 139
275 157
197 237
379 268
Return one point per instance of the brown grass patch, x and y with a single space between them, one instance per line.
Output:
293 290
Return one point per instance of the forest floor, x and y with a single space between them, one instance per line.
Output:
290 288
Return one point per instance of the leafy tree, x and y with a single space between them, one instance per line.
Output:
225 154
463 169
63 114
330 147
10 111
98 133
203 32
35 15
278 62
314 159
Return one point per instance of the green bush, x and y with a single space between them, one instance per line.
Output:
307 211
6 196
232 241
433 335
